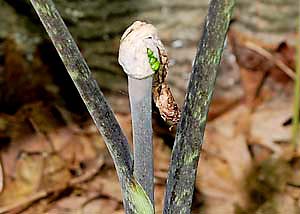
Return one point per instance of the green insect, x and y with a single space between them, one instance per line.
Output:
154 62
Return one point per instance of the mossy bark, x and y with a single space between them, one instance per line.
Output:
190 130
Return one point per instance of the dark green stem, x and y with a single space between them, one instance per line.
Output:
94 101
190 131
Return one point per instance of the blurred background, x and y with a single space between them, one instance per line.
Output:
51 151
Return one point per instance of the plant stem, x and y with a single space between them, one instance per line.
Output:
94 100
140 95
295 129
190 130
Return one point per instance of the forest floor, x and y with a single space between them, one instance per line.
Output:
55 161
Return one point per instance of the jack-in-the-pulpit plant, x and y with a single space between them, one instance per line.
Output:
145 61
136 42
142 54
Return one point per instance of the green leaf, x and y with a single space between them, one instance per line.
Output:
139 199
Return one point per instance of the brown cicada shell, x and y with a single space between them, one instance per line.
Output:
162 95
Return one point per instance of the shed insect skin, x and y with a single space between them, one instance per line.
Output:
162 95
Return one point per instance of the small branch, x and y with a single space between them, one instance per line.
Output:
281 65
190 130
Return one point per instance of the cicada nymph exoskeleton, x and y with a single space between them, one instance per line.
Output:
162 95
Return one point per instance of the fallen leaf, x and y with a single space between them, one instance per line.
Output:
267 125
225 163
100 206
29 171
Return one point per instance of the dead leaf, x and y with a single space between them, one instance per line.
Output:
55 172
100 206
267 125
281 204
29 170
225 163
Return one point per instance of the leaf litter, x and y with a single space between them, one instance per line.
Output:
55 161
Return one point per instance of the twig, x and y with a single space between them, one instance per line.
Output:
41 133
190 130
88 174
271 58
26 201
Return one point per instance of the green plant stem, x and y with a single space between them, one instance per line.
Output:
295 129
134 197
190 130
